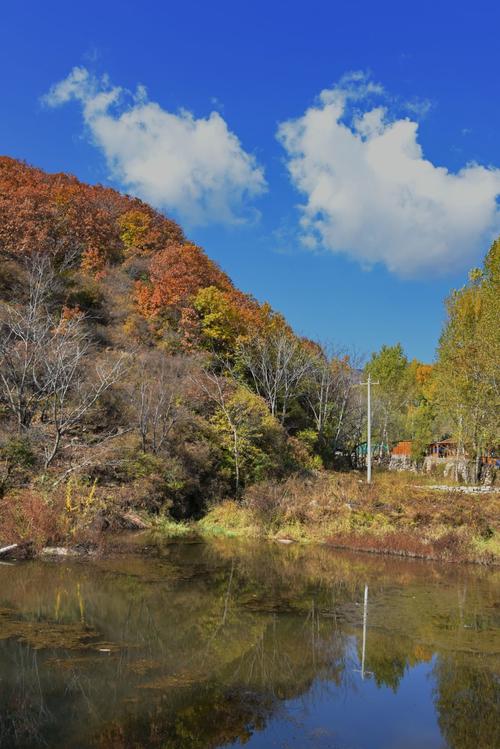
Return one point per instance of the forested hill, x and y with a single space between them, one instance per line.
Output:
134 374
55 213
108 237
118 334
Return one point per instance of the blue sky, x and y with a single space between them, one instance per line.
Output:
345 212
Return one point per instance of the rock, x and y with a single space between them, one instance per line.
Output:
132 521
59 551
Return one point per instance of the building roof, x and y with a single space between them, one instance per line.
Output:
402 448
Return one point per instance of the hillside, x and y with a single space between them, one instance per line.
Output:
119 333
136 378
56 213
106 235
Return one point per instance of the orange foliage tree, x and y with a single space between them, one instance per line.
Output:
177 273
56 214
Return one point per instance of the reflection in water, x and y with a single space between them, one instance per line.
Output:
227 643
362 670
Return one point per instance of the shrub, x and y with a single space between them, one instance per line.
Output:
89 298
16 458
300 455
17 452
26 515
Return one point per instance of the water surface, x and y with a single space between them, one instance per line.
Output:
205 645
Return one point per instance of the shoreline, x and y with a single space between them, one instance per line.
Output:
388 517
485 561
112 543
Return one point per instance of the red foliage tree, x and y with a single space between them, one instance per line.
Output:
57 214
176 274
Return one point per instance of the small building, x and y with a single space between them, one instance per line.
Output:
401 457
436 450
402 448
442 449
378 450
446 454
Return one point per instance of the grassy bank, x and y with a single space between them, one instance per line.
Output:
393 515
397 514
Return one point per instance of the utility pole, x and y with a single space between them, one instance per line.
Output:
369 384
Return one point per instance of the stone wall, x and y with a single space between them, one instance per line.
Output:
462 470
402 463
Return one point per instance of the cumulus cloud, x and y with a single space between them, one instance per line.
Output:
194 167
370 192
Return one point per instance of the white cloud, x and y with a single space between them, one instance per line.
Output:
371 193
195 167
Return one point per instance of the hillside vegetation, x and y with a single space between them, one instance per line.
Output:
135 377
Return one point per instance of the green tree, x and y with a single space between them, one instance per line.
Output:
250 437
391 397
422 422
468 360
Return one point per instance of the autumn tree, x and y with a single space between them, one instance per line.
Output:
220 323
225 319
176 275
467 370
55 214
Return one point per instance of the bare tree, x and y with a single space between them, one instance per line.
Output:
72 392
44 361
26 331
330 396
320 392
157 397
277 364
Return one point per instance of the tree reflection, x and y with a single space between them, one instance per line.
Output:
213 718
467 698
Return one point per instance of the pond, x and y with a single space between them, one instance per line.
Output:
228 643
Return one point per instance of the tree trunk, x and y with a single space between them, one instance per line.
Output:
53 452
236 460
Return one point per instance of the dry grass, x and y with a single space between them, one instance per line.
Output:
26 515
392 515
72 513
230 519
